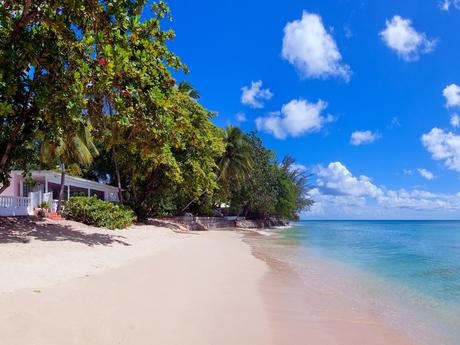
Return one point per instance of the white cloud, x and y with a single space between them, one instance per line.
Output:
255 95
426 173
455 120
452 95
408 172
340 195
400 36
241 117
443 146
298 167
363 137
336 179
445 5
394 123
312 50
296 118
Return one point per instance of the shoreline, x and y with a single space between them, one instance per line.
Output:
147 283
301 310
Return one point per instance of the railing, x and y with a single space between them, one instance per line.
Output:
14 201
15 206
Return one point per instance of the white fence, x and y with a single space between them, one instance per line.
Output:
23 206
15 206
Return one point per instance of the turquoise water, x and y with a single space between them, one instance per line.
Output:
413 267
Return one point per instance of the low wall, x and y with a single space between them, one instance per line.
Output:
260 223
212 223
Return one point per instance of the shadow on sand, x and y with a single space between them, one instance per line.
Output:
23 229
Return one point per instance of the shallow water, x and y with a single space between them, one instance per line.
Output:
407 272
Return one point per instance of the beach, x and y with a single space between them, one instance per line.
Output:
67 283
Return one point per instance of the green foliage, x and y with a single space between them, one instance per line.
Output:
79 78
62 63
93 211
269 190
44 205
236 162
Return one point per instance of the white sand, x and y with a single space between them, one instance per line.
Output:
69 250
66 284
202 290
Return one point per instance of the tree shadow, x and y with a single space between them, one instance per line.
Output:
23 229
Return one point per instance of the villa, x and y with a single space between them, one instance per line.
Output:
26 193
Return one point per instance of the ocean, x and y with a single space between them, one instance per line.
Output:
406 272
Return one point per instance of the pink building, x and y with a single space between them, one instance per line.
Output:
25 193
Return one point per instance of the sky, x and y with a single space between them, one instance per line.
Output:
364 94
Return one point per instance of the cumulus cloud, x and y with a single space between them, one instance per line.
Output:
295 118
312 50
426 174
255 95
400 36
443 146
241 117
452 95
455 120
420 200
336 179
340 194
363 137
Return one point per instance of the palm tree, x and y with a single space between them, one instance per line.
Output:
300 177
188 89
236 162
75 146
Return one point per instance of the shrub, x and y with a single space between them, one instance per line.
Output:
45 205
93 211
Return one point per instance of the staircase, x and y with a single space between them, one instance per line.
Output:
54 216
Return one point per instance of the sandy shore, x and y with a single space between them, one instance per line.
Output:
65 283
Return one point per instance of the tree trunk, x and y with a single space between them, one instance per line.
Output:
114 154
117 172
61 188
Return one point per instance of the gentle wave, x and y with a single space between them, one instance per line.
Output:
406 272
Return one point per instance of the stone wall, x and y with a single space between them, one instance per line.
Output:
212 223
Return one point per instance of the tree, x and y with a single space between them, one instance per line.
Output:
300 177
88 54
271 189
187 88
75 146
236 163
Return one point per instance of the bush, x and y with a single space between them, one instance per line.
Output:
93 211
45 205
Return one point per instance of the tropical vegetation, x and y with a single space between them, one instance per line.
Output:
93 211
88 88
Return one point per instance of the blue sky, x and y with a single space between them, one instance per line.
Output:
362 93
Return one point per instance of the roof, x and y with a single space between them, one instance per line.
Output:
54 176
